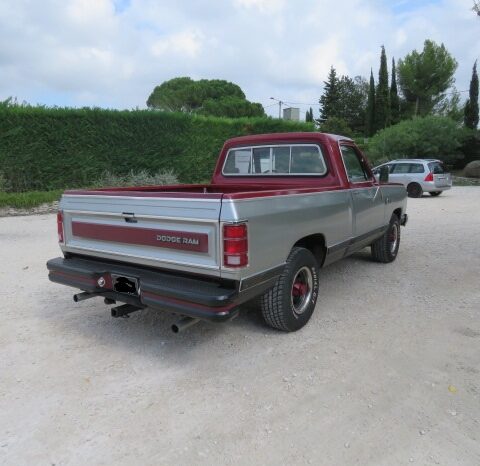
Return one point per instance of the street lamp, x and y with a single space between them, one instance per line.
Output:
280 103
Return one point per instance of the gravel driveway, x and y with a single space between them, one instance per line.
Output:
387 372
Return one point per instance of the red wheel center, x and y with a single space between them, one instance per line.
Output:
299 289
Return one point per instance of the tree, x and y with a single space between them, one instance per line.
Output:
471 107
207 96
329 98
309 115
424 77
382 101
370 113
335 125
394 99
451 107
476 7
423 137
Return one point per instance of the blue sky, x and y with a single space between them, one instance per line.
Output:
111 53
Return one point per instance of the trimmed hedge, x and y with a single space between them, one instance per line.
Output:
48 149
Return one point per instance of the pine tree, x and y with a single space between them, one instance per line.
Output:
382 103
394 99
329 98
370 116
471 107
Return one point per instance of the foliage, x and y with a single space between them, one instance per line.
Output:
382 101
29 199
428 137
329 98
45 149
214 97
345 98
335 125
451 107
132 178
231 107
471 107
370 112
425 76
309 116
394 99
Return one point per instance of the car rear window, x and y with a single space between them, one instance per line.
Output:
436 168
295 159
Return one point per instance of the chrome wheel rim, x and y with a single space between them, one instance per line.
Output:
393 238
302 289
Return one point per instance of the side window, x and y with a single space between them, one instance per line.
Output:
416 168
401 168
356 172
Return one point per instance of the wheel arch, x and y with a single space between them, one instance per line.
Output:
316 244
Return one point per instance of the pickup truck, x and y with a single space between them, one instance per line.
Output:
279 207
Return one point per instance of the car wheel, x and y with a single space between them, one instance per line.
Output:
435 193
289 304
385 248
414 190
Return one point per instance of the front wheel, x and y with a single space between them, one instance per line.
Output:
385 248
435 193
289 305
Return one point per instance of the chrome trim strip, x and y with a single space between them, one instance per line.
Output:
140 216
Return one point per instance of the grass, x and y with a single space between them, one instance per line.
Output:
29 199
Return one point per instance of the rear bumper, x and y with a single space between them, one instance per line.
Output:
430 187
194 297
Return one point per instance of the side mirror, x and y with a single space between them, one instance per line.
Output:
384 174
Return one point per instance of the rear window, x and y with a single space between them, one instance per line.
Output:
436 168
298 159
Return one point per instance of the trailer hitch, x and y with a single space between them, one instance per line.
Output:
124 310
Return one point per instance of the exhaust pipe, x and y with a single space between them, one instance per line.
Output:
184 323
124 310
83 296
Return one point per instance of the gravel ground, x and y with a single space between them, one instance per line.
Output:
385 373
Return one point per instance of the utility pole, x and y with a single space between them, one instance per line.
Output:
280 103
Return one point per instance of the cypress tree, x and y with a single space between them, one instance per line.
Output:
329 98
370 115
471 107
309 115
394 100
382 101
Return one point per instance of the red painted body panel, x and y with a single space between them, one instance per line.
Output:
145 236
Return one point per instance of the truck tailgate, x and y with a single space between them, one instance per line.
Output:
172 233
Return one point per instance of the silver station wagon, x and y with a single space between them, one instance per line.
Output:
418 175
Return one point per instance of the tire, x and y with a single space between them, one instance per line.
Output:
385 248
435 193
414 190
290 303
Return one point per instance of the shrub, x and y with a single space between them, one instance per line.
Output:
429 137
141 178
46 149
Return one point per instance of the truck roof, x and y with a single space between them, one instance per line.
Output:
281 137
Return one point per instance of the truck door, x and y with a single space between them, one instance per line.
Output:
367 197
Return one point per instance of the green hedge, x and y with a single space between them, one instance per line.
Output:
48 149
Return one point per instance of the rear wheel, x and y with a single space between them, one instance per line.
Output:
289 305
385 248
435 193
414 190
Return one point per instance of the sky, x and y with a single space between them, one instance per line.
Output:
112 53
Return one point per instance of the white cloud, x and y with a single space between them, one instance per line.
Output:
87 52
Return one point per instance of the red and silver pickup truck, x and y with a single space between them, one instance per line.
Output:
279 208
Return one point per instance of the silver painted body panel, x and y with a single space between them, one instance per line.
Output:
275 224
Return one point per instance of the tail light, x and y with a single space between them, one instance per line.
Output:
235 245
429 177
61 236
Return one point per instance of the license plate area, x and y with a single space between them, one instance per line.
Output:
125 285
